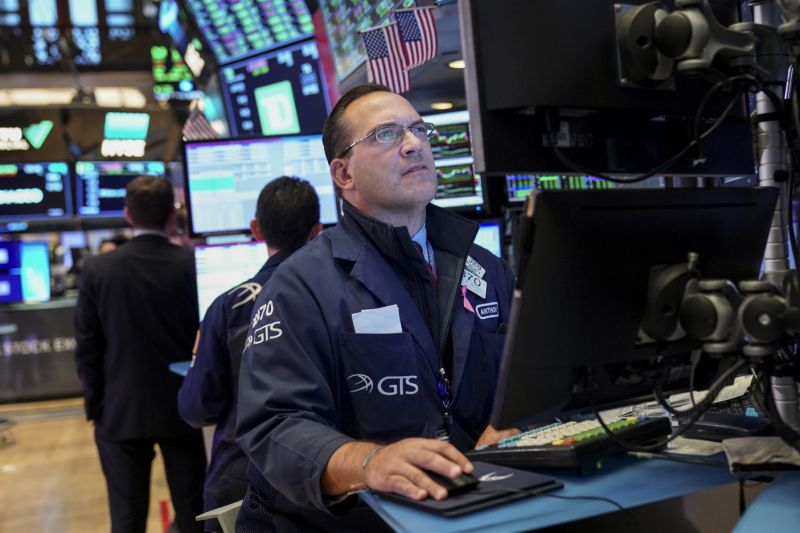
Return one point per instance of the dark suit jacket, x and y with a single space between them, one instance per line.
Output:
136 314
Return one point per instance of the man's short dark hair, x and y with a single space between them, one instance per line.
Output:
335 133
150 202
287 209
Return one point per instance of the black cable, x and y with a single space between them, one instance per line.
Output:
656 170
784 431
698 116
680 458
705 403
597 498
562 497
681 430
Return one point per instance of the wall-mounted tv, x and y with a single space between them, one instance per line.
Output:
31 191
100 185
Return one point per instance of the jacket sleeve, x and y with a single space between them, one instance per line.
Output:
206 392
286 420
91 345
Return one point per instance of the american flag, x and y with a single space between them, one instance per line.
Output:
198 128
418 34
385 63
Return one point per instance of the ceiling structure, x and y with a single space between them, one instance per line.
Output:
68 79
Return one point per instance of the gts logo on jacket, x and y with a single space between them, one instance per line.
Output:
388 386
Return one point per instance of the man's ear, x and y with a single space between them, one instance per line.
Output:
255 231
127 215
341 177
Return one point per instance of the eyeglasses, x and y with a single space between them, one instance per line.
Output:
391 133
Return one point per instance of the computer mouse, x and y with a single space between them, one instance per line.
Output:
455 485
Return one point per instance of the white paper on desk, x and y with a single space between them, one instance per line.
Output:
381 320
735 390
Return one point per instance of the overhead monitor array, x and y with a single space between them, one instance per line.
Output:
276 93
236 29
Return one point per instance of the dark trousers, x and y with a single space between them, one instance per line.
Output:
127 464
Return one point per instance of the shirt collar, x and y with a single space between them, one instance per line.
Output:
421 238
139 231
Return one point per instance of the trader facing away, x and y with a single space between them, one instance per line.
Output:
136 314
373 352
287 216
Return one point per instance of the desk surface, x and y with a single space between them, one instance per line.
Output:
629 482
776 509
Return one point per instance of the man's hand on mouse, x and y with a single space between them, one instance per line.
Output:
399 467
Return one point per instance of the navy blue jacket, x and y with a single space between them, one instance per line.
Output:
310 383
209 391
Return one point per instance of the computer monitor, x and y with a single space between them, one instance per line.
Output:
100 185
32 191
545 75
221 267
24 271
224 178
574 337
459 186
519 186
490 236
276 93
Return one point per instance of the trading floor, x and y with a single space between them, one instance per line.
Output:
50 477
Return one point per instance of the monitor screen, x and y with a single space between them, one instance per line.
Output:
34 191
518 186
277 93
552 92
577 340
100 185
235 29
221 267
224 178
344 19
459 185
24 272
490 236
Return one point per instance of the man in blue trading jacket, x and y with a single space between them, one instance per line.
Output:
373 352
287 216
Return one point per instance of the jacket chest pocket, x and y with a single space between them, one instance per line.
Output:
383 386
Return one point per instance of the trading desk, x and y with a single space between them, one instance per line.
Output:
628 481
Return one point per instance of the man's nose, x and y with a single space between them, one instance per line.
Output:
411 143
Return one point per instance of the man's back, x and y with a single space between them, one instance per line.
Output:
137 313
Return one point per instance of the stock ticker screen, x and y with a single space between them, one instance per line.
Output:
224 178
344 19
519 186
237 29
100 185
30 191
459 186
277 93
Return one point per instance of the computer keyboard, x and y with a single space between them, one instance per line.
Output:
570 445
742 405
